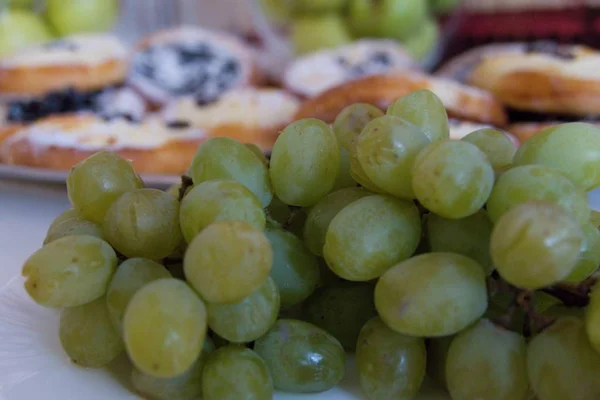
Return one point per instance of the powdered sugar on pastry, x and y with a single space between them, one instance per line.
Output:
254 108
83 49
124 102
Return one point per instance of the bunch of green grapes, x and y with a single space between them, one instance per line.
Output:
319 24
457 259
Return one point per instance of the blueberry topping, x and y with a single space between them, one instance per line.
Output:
550 48
382 58
178 124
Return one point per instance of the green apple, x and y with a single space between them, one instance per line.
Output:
443 6
277 11
27 4
318 6
73 16
311 33
386 18
21 28
424 40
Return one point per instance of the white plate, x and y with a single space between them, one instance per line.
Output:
43 175
33 365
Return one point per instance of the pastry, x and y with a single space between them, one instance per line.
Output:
190 61
64 76
315 73
542 77
60 142
247 114
461 101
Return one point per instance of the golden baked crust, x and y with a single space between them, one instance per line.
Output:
462 102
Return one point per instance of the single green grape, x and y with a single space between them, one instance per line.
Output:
535 245
344 178
537 182
305 162
571 148
469 236
144 223
589 255
434 294
425 110
164 328
96 182
390 365
70 272
228 261
342 310
351 122
173 190
370 235
131 276
87 335
187 386
592 318
452 178
295 270
561 363
486 361
218 200
437 354
225 158
496 145
257 152
248 319
322 213
236 373
358 173
302 357
386 150
69 223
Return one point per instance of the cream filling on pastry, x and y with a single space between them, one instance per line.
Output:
82 49
450 92
256 108
94 134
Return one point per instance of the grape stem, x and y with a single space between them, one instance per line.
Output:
186 183
534 323
572 295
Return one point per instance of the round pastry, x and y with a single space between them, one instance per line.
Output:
461 101
315 73
60 142
248 115
543 77
190 61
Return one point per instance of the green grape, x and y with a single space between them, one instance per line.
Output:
248 319
87 335
496 145
257 152
173 190
592 318
321 215
225 158
589 255
561 363
344 178
434 294
571 148
295 270
390 365
131 276
164 328
486 361
358 173
236 373
305 162
218 200
69 223
595 218
351 122
468 236
370 235
228 261
425 110
302 357
342 310
144 223
187 386
452 178
537 182
535 244
437 354
70 272
96 182
386 150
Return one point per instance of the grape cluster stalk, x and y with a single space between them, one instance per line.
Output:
468 261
